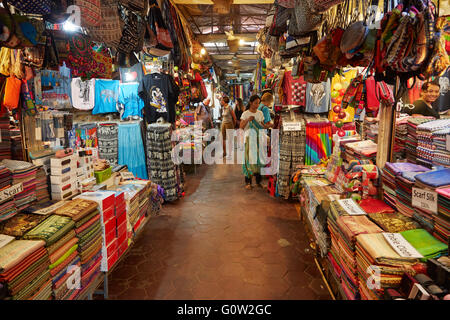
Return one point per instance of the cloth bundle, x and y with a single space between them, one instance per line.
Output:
393 222
361 150
441 156
134 197
404 184
24 269
425 243
20 224
5 144
426 138
401 133
108 142
42 194
442 222
411 140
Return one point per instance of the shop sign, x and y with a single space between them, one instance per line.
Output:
292 126
351 207
127 175
51 209
424 199
401 246
11 192
4 240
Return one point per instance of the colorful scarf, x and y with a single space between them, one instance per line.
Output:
249 169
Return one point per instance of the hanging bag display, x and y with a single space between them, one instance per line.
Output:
5 61
133 32
138 6
16 64
91 12
12 93
110 30
323 5
27 99
42 7
158 27
307 19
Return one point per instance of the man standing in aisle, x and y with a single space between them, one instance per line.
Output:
423 106
203 113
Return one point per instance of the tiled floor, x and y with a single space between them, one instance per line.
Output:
220 242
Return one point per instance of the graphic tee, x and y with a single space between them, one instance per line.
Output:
132 74
130 104
294 90
83 94
106 95
318 97
154 90
56 87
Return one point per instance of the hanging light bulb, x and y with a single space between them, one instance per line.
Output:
202 51
241 42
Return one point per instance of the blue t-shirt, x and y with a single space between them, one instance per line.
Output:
129 100
318 97
106 94
266 112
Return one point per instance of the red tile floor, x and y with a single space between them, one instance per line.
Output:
220 241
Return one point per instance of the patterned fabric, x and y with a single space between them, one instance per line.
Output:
161 169
18 225
131 149
91 13
108 142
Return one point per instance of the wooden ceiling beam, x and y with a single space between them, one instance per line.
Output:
187 2
222 37
239 56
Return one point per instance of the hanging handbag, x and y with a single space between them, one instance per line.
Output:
439 61
307 19
138 6
16 64
91 12
280 19
156 23
42 7
110 30
34 56
321 6
5 61
28 103
133 32
12 93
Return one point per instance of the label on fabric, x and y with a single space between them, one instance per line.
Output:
127 175
51 209
425 199
351 207
447 137
292 126
401 246
4 240
10 192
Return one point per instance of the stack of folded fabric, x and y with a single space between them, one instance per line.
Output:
5 143
427 245
16 144
442 220
411 140
349 228
425 147
393 222
20 224
24 269
401 133
373 250
57 232
5 177
375 206
390 173
88 230
361 150
42 194
404 184
7 207
371 129
132 196
441 156
431 180
25 173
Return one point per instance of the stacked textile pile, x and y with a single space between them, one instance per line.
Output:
145 206
345 221
16 144
374 251
88 229
62 245
442 220
370 129
24 269
425 146
7 207
427 245
411 139
5 144
24 173
401 134
404 185
361 150
42 194
132 195
5 177
20 224
388 178
441 155
362 177
393 222
431 180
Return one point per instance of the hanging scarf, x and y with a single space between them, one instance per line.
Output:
249 169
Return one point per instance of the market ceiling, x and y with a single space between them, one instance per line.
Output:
245 19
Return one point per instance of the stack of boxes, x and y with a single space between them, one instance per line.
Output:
85 170
107 204
63 179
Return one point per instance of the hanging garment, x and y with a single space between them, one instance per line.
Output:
318 142
106 95
161 168
83 94
131 149
108 142
132 74
130 104
294 90
318 99
56 87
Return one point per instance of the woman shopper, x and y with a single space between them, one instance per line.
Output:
228 120
238 111
252 119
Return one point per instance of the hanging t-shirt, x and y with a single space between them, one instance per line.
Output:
318 99
294 90
155 89
83 94
56 87
442 104
106 95
132 74
130 104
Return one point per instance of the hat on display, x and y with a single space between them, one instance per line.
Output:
353 38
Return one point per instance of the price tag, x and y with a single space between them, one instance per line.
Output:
351 207
401 246
10 192
127 175
424 199
292 126
447 142
51 209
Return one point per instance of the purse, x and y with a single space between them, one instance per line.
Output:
133 32
12 93
34 56
28 103
110 30
91 12
321 6
16 64
158 27
138 6
307 20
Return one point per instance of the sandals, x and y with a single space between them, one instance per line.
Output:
248 187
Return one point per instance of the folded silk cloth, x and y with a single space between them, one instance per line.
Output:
68 236
18 225
51 229
393 222
425 243
375 206
399 167
352 226
436 178
444 192
77 209
85 219
16 251
61 251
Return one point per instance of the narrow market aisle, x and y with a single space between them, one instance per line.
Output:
220 242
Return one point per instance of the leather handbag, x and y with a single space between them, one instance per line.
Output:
307 20
12 93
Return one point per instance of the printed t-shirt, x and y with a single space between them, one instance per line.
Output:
83 94
155 90
106 95
129 101
318 97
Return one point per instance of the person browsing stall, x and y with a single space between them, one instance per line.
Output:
423 106
228 120
203 114
266 101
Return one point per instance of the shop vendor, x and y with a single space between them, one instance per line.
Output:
423 106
